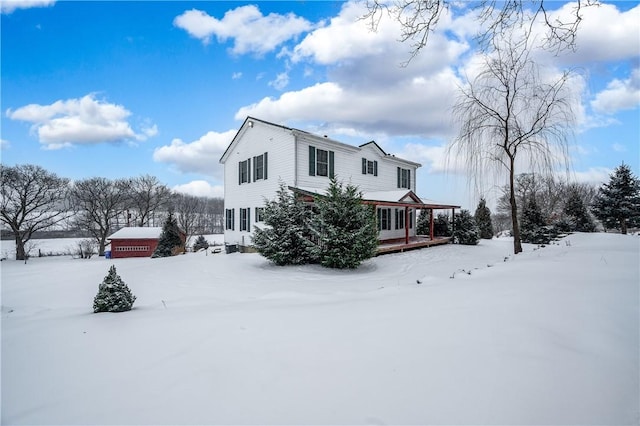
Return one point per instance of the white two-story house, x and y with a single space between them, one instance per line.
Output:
263 155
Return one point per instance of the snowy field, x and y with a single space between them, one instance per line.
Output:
550 336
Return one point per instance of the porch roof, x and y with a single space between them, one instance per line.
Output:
396 198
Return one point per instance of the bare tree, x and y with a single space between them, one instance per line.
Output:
31 199
508 112
188 210
98 202
418 18
147 195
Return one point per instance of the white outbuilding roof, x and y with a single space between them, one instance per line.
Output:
136 232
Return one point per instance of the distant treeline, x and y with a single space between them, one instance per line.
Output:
36 203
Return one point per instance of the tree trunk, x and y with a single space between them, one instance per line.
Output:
623 225
517 244
20 253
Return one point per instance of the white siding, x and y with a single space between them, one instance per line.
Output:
279 144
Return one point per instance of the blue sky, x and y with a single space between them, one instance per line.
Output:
121 89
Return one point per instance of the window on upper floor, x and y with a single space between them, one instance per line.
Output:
369 167
244 171
404 178
260 167
321 162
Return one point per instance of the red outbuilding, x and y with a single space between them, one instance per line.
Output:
134 241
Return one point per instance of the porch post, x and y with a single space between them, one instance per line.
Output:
406 225
453 222
431 224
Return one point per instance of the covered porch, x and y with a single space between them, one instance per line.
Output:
408 202
405 205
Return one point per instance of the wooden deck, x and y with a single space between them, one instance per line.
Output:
414 243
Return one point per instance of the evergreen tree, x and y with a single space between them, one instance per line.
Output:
578 217
423 226
170 240
200 243
441 226
345 229
483 220
465 229
286 240
533 225
617 203
113 294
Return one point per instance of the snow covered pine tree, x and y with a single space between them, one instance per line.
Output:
345 229
618 202
170 240
113 294
465 229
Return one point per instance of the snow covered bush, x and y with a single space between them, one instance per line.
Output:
577 215
286 240
423 225
170 242
533 227
345 229
200 243
483 220
441 227
465 229
113 294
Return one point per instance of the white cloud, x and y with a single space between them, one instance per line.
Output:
200 188
593 175
80 121
605 33
236 76
251 31
619 147
281 81
8 6
200 156
619 95
4 144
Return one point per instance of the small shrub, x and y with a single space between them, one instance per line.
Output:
200 243
113 294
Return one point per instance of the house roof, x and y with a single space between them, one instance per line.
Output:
249 123
136 232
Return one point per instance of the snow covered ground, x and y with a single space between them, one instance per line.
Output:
550 336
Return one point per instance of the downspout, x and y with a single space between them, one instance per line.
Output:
295 159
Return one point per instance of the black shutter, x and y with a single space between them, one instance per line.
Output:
312 161
248 169
233 219
399 178
239 172
408 178
379 219
249 219
364 166
331 164
254 168
265 166
375 168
